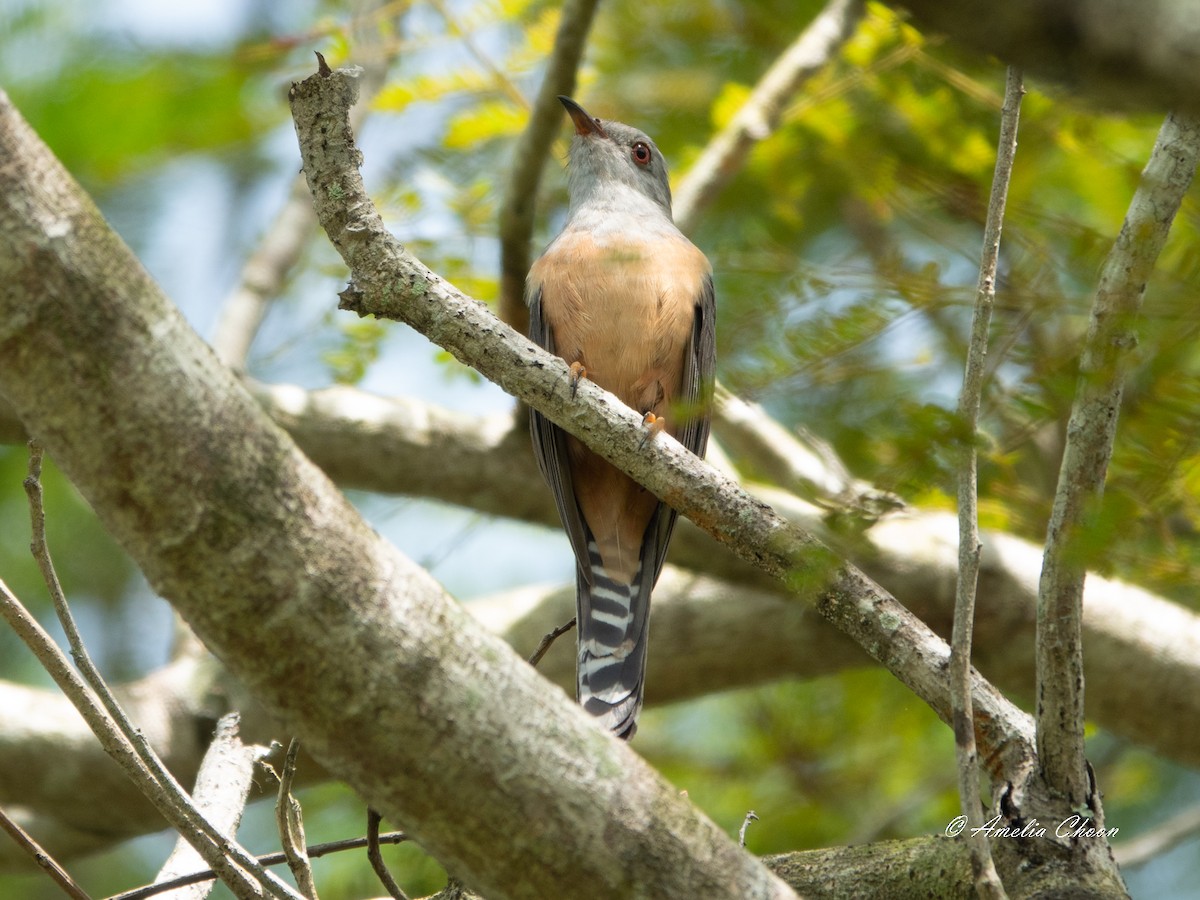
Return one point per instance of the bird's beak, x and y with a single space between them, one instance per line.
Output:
584 124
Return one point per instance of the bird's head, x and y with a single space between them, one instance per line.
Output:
608 159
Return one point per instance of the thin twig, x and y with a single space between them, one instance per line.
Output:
44 860
1108 354
529 159
124 742
267 859
548 641
760 114
987 881
751 816
290 821
376 858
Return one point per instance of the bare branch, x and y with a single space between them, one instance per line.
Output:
711 635
290 823
400 445
110 724
267 859
220 793
945 864
750 817
529 159
45 861
376 858
1107 356
263 276
548 641
760 114
987 882
806 467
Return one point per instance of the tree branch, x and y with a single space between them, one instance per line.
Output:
808 468
1107 357
44 860
267 859
1160 839
166 794
710 635
870 871
220 793
987 882
529 158
289 821
760 114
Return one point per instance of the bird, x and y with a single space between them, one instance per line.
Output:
628 302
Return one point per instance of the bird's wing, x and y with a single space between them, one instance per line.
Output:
699 368
550 445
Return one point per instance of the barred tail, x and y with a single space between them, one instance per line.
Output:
613 620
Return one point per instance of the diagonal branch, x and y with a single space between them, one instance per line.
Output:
44 860
760 114
1108 355
529 159
390 283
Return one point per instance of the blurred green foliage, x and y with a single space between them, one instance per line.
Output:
845 250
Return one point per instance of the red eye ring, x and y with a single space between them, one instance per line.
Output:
640 153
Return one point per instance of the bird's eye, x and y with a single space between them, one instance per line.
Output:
641 153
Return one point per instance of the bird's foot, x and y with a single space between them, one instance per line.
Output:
578 373
654 425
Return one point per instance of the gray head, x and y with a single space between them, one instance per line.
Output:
614 163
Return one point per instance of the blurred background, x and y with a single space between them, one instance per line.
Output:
845 249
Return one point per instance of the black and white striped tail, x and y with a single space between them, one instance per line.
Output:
613 620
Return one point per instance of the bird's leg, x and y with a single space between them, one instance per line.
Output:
578 373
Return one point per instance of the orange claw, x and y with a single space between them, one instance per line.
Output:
578 373
655 425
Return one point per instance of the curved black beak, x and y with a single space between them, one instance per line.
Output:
584 124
